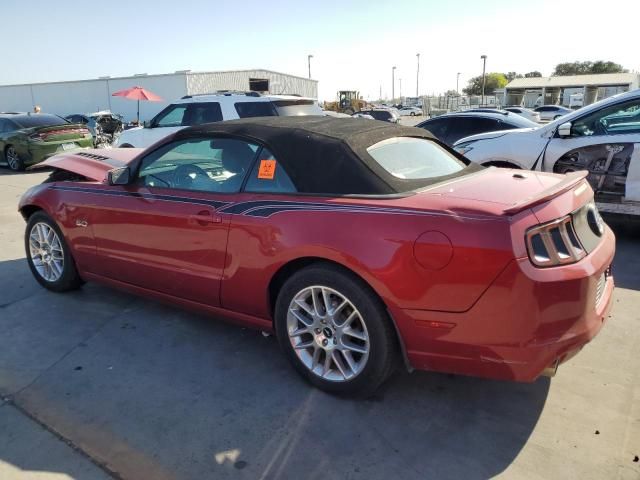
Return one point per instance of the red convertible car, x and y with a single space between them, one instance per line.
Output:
358 242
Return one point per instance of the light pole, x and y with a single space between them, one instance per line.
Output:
417 73
393 84
457 83
484 65
400 96
309 57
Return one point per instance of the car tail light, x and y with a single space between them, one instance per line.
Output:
554 243
44 136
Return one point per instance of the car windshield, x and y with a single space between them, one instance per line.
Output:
39 120
412 158
291 108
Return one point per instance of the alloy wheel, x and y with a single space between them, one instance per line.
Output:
46 252
13 159
328 333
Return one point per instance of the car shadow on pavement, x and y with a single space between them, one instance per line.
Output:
151 391
625 272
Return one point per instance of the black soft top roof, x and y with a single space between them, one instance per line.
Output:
325 155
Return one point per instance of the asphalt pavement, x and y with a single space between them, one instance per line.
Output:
97 383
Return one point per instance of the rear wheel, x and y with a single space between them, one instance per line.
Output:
49 256
335 331
13 159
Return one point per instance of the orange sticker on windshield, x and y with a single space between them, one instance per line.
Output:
267 169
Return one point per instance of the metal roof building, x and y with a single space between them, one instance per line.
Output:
91 95
558 90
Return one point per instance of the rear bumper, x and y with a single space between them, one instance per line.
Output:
38 152
528 320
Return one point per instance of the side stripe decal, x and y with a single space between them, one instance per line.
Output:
267 208
149 196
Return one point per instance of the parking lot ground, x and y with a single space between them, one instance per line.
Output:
148 391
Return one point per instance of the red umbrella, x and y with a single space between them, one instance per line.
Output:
137 93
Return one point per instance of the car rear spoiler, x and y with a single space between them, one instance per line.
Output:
571 180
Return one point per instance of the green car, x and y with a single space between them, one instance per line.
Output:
27 138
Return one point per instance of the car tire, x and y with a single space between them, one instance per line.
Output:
413 114
49 256
348 351
126 145
13 159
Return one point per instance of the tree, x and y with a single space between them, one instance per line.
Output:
584 68
533 74
451 93
511 75
493 80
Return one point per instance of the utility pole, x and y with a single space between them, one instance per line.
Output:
457 82
380 93
393 84
309 57
484 65
400 99
417 73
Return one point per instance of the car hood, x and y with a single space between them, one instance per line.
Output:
496 134
92 163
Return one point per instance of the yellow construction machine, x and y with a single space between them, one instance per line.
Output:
349 102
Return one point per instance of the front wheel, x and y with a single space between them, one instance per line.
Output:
49 256
335 331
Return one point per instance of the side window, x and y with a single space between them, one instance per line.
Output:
255 109
3 126
380 114
268 176
171 117
438 128
216 165
199 113
620 119
466 126
500 125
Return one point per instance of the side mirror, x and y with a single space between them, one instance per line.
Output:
119 176
146 124
564 130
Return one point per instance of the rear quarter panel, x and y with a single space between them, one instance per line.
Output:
376 246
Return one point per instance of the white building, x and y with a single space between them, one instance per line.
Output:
535 91
84 96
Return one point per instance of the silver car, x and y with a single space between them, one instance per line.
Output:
551 112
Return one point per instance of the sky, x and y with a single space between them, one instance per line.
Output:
354 43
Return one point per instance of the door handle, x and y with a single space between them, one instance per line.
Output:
204 218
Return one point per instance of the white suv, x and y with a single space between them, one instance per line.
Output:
602 138
196 109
